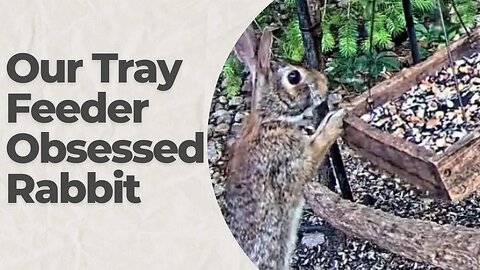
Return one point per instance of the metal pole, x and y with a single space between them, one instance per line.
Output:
335 161
412 37
309 41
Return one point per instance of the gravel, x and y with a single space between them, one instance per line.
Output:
327 248
433 114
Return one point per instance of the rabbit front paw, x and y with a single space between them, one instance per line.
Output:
331 126
326 134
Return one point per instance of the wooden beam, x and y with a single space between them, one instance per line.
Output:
450 247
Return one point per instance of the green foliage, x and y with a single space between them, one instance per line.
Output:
431 35
467 10
423 6
346 35
265 17
342 27
347 38
342 32
290 4
232 76
328 40
389 23
292 43
382 61
331 20
355 71
347 71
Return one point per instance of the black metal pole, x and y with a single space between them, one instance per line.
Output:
335 167
412 36
309 41
334 162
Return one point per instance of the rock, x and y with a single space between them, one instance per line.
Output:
432 123
439 114
222 99
235 101
218 107
214 154
450 104
219 112
464 69
366 117
460 62
421 113
222 116
222 129
475 80
441 142
218 190
313 240
474 98
236 129
211 130
239 116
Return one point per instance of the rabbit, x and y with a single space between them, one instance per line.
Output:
272 158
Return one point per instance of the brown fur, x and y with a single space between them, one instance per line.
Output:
272 160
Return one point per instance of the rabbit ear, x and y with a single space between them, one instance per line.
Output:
246 48
246 51
265 50
264 55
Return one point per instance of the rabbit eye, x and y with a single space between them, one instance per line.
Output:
294 77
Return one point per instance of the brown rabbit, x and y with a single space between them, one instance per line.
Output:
272 159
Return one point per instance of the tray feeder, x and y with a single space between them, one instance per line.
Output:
453 174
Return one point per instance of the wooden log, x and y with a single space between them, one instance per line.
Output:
449 247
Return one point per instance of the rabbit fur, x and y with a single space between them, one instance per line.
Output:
272 158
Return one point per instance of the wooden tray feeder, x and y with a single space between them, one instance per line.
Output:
452 174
